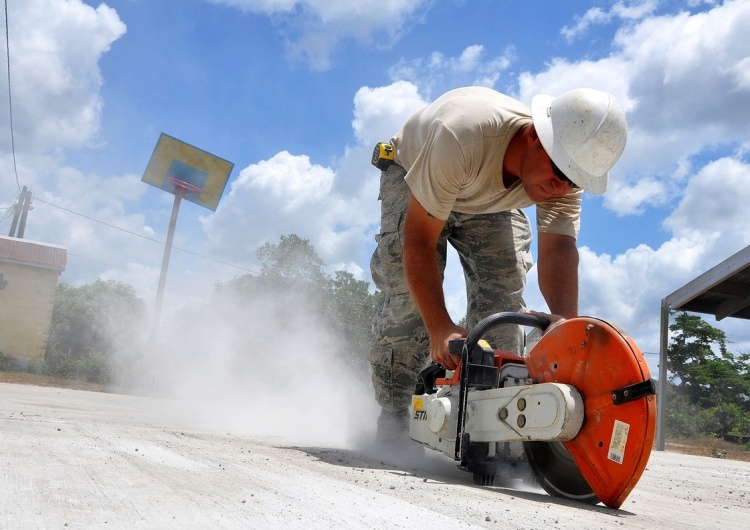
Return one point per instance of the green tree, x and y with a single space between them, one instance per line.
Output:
291 268
350 314
706 377
709 387
293 259
293 279
90 327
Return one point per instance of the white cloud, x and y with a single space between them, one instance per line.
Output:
683 82
610 74
619 10
715 202
335 208
687 73
55 48
316 27
54 52
380 112
286 194
632 199
707 227
438 73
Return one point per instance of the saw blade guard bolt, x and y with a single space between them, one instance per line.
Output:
522 404
521 420
502 414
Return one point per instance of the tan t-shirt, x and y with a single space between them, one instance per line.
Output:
453 152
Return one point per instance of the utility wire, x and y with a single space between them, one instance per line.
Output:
303 289
10 98
147 238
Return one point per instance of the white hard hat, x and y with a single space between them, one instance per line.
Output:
584 133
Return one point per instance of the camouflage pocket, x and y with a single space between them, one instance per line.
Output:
386 264
381 361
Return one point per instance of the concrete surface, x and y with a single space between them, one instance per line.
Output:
75 459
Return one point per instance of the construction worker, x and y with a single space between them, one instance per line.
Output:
461 170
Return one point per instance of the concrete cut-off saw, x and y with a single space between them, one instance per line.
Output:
580 408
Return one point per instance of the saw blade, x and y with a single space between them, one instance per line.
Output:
556 471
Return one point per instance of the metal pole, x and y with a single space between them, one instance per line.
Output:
17 212
661 397
24 215
178 194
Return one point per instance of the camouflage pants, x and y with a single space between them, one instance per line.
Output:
494 250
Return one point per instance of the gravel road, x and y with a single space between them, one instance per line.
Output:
76 459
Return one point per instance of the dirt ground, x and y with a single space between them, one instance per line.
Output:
703 446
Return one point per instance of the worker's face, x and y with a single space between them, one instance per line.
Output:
539 178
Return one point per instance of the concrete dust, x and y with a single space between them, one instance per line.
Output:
270 369
258 418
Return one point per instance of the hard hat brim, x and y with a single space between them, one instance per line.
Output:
540 116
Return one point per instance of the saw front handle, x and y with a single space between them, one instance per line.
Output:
472 340
492 321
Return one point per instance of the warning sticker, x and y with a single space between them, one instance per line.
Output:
619 439
417 403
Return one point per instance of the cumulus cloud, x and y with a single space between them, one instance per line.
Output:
333 207
438 73
634 198
689 71
682 80
380 112
619 10
707 226
715 202
314 28
267 199
55 49
283 195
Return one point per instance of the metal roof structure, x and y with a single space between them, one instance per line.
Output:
722 291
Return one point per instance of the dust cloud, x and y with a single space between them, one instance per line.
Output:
270 368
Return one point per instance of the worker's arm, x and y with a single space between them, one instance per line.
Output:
421 233
557 266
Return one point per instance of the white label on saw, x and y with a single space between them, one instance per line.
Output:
619 439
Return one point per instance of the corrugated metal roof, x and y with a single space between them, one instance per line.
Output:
33 253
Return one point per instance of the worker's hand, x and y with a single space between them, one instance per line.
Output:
439 346
553 319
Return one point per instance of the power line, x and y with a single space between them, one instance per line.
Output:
148 238
10 98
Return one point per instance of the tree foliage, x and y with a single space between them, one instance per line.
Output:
709 387
90 327
293 282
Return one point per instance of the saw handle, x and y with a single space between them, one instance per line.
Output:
463 439
507 317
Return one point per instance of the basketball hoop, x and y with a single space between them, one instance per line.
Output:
182 188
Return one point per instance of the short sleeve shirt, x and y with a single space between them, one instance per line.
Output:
453 151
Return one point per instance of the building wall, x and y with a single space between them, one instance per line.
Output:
27 294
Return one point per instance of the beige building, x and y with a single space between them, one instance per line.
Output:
28 280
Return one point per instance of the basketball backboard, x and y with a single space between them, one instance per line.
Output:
175 159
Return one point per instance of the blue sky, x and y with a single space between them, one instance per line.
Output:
296 92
